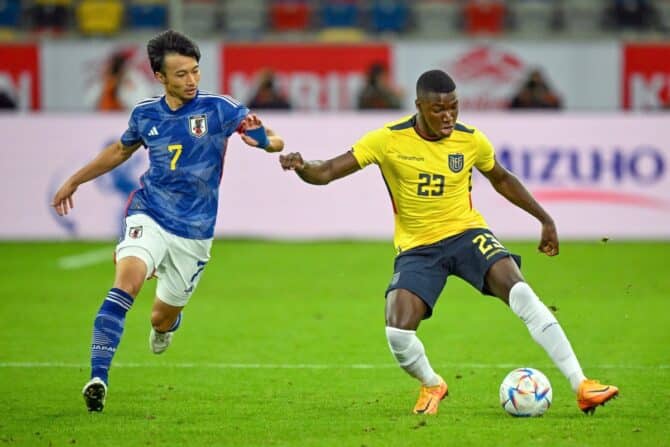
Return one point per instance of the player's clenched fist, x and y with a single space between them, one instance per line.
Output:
549 239
292 161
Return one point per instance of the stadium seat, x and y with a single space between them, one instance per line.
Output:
290 15
10 13
340 14
632 15
245 19
583 17
341 35
663 7
534 17
99 17
389 16
51 15
437 18
484 16
147 14
200 17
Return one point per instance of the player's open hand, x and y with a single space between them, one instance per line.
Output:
62 201
250 122
549 240
292 161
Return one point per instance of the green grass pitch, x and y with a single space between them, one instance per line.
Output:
283 345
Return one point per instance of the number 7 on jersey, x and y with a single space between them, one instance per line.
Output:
176 148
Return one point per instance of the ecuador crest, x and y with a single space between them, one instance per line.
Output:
456 162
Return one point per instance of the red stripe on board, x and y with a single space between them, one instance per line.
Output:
583 195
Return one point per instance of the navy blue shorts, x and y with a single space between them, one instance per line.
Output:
424 270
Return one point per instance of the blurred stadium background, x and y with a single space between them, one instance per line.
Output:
574 94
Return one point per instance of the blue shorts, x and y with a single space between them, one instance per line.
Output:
424 270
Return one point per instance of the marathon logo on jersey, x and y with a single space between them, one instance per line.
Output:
198 125
456 162
135 232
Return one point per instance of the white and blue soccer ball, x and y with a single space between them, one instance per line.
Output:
525 392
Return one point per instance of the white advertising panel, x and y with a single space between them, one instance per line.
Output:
599 176
585 75
76 73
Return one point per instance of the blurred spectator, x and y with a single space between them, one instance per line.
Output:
267 96
50 15
378 93
7 95
111 83
117 80
535 94
632 14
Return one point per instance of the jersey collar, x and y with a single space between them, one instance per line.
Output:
185 108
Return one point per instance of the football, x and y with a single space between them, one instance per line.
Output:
525 392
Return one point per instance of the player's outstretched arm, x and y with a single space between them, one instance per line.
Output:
255 134
507 185
319 172
110 157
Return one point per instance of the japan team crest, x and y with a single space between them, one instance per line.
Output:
197 125
135 232
456 162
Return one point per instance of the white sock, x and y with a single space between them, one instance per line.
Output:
546 331
411 356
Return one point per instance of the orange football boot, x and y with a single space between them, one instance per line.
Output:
430 397
592 393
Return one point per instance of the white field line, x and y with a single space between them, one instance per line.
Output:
85 259
302 365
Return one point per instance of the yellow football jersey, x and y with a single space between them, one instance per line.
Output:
429 181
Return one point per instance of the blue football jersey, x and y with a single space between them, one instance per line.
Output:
180 190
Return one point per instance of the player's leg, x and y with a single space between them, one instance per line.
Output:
135 256
404 312
504 280
417 282
108 328
178 278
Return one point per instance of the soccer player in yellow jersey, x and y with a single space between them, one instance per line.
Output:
426 161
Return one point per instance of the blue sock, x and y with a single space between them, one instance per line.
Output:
176 323
107 331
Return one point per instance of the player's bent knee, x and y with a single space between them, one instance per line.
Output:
404 310
502 276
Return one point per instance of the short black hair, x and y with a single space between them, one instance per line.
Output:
170 42
434 81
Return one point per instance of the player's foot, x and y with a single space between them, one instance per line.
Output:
430 397
159 341
592 393
94 394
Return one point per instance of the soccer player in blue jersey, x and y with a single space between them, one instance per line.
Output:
426 161
170 219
